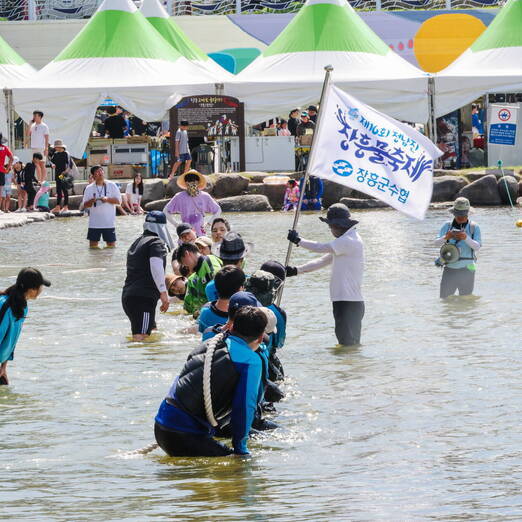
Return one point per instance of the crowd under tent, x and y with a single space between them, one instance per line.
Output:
492 64
118 55
156 14
290 71
14 71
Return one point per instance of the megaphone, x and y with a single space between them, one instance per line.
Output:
449 253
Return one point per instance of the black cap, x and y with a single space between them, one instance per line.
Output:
182 228
31 278
184 123
339 215
232 247
275 268
312 108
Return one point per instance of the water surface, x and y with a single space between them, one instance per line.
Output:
419 423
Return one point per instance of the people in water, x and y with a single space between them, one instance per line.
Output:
192 203
220 226
345 254
13 312
199 270
186 233
145 281
459 273
222 379
229 280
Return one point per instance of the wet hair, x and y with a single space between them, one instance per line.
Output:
249 323
191 177
228 281
38 156
221 220
183 249
38 113
139 185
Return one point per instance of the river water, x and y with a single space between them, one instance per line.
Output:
419 423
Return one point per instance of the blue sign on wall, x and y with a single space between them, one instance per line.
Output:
502 133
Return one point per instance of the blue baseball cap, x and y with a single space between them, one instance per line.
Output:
241 299
156 216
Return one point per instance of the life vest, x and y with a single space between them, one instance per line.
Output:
223 380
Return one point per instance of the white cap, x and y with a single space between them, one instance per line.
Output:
271 320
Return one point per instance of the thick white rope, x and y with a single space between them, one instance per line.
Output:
207 368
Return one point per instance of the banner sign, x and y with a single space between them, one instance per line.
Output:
503 124
366 150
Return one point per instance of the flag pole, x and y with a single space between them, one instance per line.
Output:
328 71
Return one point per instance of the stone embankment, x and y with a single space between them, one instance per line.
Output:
248 192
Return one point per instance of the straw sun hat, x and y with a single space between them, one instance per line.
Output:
202 181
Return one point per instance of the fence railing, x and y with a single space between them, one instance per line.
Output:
63 9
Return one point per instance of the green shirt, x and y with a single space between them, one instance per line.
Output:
204 272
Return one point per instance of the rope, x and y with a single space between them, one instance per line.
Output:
142 451
505 183
207 368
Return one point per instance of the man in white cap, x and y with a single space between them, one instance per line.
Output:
145 282
459 274
346 255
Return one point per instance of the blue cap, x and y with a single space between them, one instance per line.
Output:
240 299
156 216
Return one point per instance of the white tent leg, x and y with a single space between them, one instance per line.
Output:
9 115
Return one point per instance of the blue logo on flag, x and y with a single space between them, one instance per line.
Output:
342 168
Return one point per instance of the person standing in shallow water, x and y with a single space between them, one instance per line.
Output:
345 254
192 203
101 198
13 311
465 235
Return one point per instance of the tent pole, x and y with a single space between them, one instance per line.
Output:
432 122
8 93
328 71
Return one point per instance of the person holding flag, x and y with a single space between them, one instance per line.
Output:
361 148
346 255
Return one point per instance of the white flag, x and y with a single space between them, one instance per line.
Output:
368 151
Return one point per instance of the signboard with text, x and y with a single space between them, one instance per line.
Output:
503 124
211 116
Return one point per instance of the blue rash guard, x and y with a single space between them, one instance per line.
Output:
211 292
249 366
278 338
211 316
10 329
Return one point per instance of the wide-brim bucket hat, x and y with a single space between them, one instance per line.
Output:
461 207
202 181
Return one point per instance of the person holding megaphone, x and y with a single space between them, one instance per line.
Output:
459 241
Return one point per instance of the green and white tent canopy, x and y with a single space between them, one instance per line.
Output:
493 63
14 72
156 14
290 71
117 54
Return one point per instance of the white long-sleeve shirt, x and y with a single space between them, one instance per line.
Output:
346 255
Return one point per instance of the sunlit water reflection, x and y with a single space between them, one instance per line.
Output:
420 422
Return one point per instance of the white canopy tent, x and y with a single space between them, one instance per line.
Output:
290 71
118 54
14 71
493 63
158 17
